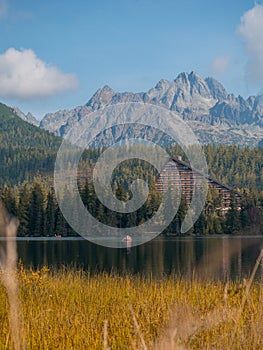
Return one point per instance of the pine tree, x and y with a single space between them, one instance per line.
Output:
233 216
200 224
36 211
50 215
23 209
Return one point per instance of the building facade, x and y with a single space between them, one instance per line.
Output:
178 174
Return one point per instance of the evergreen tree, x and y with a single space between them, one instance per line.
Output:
200 225
23 209
36 212
50 215
233 216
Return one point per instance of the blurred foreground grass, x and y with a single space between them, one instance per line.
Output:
70 309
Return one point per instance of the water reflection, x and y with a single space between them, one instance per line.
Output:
213 257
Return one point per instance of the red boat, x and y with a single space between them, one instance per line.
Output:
127 239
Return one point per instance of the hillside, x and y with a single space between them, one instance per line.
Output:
25 150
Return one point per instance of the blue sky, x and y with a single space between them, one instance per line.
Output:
56 54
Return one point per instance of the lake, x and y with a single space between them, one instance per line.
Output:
214 257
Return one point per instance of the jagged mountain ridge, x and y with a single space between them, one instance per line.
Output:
215 115
26 117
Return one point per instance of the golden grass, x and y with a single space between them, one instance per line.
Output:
70 309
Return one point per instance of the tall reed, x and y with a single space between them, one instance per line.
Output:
8 273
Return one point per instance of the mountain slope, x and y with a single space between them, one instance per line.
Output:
26 117
25 149
215 115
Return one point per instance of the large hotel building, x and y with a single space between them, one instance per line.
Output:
178 174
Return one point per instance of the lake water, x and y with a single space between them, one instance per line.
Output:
207 257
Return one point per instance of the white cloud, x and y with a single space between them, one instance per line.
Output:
251 30
3 8
23 75
220 64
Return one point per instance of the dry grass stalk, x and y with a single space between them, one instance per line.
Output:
246 294
225 294
105 335
138 329
8 260
186 324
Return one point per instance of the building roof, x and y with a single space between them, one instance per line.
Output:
200 173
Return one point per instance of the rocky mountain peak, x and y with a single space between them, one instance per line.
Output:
194 77
101 97
182 78
217 89
106 89
162 84
192 84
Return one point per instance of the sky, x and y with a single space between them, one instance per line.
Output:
56 54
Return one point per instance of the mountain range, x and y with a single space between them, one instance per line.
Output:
215 115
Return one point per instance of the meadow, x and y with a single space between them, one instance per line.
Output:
71 309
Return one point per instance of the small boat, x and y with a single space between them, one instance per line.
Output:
127 239
58 236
